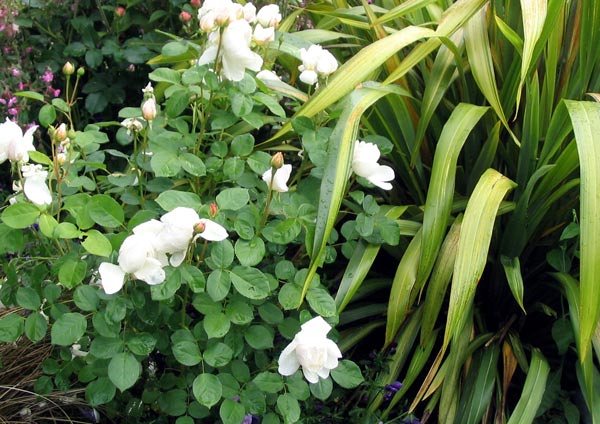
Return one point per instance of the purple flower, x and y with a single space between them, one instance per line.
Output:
251 419
48 76
390 390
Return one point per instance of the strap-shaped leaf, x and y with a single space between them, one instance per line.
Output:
441 189
533 390
585 117
473 247
338 169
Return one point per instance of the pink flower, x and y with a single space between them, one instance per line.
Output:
47 76
15 72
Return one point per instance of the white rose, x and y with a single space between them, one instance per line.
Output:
112 277
35 187
269 16
278 181
364 164
236 53
316 62
311 350
139 254
262 35
14 145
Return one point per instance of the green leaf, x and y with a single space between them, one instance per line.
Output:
250 252
512 270
100 391
347 374
259 337
533 390
231 412
216 325
170 199
68 329
233 198
39 157
97 244
28 298
47 115
20 215
269 382
35 327
124 370
105 211
250 282
31 95
11 327
185 349
72 272
289 408
193 164
473 247
142 344
321 302
106 347
218 354
585 117
207 389
165 75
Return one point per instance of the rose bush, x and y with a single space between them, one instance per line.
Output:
165 256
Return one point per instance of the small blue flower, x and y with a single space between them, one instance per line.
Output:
390 390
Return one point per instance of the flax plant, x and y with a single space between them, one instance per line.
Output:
494 128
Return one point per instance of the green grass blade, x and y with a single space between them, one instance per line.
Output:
440 279
359 265
585 117
482 67
402 9
479 385
438 80
512 270
534 16
441 189
533 390
404 291
338 169
473 246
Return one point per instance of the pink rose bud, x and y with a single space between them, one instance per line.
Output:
120 11
196 4
213 210
185 17
149 109
61 132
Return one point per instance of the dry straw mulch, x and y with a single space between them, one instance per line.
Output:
20 366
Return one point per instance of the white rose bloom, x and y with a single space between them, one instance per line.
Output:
327 63
210 230
262 35
311 350
177 233
279 180
35 187
364 164
112 277
269 16
140 254
237 55
14 145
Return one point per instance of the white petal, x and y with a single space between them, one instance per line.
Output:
316 327
37 191
177 258
311 377
151 273
309 77
213 231
288 362
112 277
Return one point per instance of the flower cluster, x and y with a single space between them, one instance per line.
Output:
155 244
316 63
232 30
